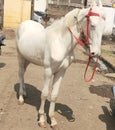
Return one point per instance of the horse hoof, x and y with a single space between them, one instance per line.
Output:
42 124
54 127
21 100
21 103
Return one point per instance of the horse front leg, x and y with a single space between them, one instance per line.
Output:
56 85
45 91
22 68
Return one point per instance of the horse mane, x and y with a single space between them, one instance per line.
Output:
67 21
58 22
58 25
71 18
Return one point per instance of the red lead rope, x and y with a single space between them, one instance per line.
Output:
90 13
77 39
88 80
89 60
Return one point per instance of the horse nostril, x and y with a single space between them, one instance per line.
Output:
92 53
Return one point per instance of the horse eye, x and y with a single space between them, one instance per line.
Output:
75 17
93 27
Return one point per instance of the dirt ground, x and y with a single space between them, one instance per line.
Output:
80 105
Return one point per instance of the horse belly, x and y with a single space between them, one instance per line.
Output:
31 47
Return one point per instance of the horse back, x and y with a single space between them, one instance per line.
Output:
30 41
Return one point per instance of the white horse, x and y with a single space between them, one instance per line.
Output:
53 47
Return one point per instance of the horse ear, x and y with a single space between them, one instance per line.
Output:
93 3
70 17
99 3
81 15
96 2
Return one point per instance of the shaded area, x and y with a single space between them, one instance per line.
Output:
107 118
80 61
65 111
102 90
34 98
112 105
108 53
33 95
2 65
110 67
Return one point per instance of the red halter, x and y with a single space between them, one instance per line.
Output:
90 13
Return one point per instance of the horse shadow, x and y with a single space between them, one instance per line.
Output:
79 61
102 90
107 118
34 98
2 65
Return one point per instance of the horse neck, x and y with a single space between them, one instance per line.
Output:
65 33
61 29
70 41
58 27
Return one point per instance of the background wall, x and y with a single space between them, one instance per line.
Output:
16 11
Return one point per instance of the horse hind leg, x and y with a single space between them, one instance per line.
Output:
22 68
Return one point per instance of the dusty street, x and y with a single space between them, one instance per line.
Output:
78 106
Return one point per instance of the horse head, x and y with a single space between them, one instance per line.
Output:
92 26
91 22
